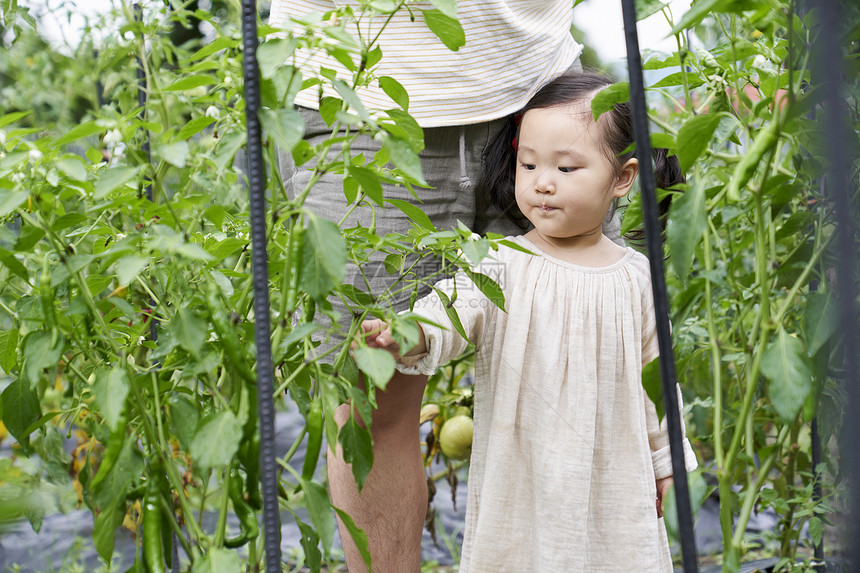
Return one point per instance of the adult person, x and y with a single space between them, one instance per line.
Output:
460 98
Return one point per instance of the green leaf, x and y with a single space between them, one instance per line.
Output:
310 545
223 249
40 350
447 7
184 415
229 143
218 560
645 8
110 390
351 99
789 374
377 364
195 126
319 509
128 466
11 200
73 168
173 153
189 330
395 91
820 321
357 447
476 250
128 267
445 28
13 117
816 529
323 258
452 313
687 222
653 386
8 350
79 131
358 536
632 216
605 99
696 14
216 440
414 212
104 529
285 126
20 409
368 181
489 287
694 137
404 158
14 265
272 54
216 45
191 82
113 178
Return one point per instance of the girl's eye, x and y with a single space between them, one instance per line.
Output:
567 169
527 166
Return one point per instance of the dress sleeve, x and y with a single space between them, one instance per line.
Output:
658 433
443 342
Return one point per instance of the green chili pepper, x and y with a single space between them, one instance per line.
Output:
315 433
153 550
765 140
249 457
294 265
112 451
248 528
46 296
226 332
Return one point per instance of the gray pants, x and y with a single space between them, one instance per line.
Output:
445 202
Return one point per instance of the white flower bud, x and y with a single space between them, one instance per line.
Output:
213 112
113 137
228 79
35 155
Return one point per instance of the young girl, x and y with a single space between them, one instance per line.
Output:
568 456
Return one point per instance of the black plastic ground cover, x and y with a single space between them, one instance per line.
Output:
829 67
658 282
260 270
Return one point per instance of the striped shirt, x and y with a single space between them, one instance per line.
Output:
513 47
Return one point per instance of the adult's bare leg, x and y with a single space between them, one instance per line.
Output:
393 502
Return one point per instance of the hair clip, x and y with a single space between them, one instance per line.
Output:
514 143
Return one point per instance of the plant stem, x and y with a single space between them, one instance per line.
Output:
716 360
752 492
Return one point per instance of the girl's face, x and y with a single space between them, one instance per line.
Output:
564 182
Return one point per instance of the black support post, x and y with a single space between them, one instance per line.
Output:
260 270
658 282
829 63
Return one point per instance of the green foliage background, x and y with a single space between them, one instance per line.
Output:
167 426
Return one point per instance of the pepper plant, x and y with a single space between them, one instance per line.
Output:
750 269
126 289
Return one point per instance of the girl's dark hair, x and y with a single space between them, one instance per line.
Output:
497 183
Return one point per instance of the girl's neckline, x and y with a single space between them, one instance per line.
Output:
561 262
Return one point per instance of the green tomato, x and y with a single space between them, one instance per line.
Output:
455 439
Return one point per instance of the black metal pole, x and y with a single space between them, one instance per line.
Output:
260 270
658 282
829 62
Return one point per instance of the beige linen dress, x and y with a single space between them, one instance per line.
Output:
567 445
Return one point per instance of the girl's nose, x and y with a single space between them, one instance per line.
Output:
544 183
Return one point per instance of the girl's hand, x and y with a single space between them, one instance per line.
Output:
377 334
663 486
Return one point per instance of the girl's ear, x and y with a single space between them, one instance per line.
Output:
626 177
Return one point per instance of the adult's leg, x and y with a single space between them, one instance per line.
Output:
391 506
